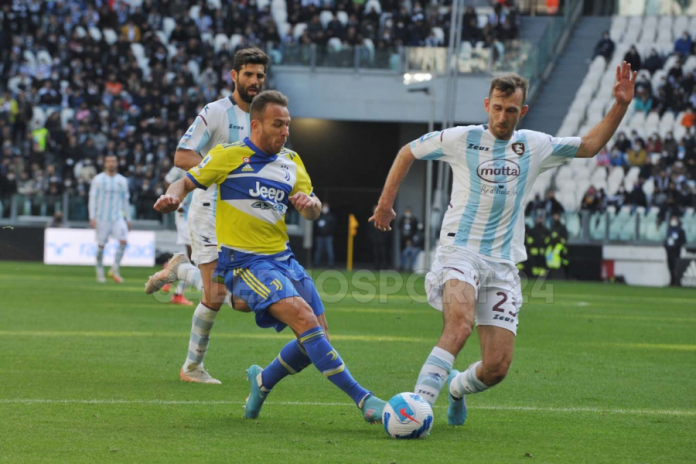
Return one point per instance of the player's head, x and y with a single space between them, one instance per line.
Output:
249 72
506 104
270 121
110 164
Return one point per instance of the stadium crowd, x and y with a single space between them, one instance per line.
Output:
83 79
667 163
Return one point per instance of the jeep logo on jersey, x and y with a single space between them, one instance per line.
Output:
489 170
269 193
518 148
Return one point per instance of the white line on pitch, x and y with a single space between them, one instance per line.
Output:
666 412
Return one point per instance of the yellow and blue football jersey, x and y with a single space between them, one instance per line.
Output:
253 193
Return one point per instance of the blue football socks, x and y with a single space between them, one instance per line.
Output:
291 360
329 363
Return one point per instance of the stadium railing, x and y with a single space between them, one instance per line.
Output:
531 59
638 226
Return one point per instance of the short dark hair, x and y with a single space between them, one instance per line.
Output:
250 56
508 84
265 98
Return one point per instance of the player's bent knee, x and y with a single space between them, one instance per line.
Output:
301 313
495 372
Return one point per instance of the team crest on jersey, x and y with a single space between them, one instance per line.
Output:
518 148
245 159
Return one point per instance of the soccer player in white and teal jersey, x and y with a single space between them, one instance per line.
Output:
109 214
473 279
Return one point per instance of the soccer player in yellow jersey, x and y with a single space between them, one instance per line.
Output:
256 179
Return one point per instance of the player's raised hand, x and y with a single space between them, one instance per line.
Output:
167 204
625 82
382 218
301 201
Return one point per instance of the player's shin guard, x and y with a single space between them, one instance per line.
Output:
291 360
202 324
119 256
467 383
433 374
329 363
100 257
190 274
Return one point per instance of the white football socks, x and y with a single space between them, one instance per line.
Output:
202 323
433 374
190 275
467 382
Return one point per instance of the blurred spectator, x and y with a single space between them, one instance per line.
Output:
672 203
622 143
592 201
617 158
675 240
637 196
605 47
632 57
637 155
551 205
603 157
683 44
325 227
535 207
654 144
380 246
408 228
57 220
642 101
689 119
653 62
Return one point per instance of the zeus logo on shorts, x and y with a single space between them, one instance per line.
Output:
269 193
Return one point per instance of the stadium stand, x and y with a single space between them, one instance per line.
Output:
648 172
79 82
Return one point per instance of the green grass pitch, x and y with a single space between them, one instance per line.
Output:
89 373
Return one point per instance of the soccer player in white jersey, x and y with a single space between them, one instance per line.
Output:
473 279
222 121
109 214
183 237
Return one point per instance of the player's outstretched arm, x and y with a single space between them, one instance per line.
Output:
385 214
171 200
600 134
186 159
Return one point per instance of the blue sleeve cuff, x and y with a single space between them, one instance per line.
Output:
566 151
195 182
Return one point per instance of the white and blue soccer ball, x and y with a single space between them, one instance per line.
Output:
407 415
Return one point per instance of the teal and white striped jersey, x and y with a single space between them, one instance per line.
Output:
221 121
491 180
109 198
172 176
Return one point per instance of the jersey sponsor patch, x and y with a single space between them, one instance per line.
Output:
498 171
204 162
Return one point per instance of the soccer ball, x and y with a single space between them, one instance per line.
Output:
407 415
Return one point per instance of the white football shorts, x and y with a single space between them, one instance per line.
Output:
116 229
183 237
497 285
201 223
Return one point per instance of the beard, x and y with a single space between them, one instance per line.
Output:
244 92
